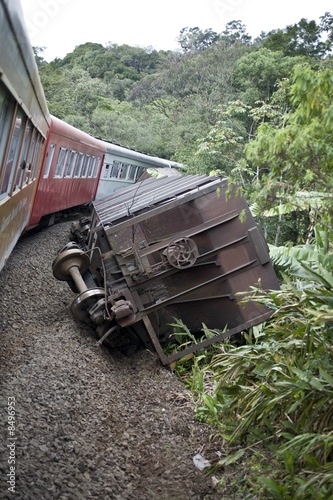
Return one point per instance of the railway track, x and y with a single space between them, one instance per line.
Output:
89 423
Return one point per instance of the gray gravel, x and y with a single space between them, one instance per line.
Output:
89 423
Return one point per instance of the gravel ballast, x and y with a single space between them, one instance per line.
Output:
88 423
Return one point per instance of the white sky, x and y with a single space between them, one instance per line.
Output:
61 25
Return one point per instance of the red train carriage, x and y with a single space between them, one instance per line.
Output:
70 171
24 124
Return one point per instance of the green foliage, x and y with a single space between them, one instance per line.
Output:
299 155
235 32
278 387
176 97
121 61
38 53
304 38
194 39
308 214
295 154
259 72
222 148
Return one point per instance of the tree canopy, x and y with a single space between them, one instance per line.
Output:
222 102
307 38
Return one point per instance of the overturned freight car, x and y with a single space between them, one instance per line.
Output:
166 248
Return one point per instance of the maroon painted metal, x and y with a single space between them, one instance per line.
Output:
65 179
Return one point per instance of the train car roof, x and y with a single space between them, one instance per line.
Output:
131 154
71 132
18 68
153 192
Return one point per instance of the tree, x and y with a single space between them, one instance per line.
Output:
38 51
306 38
188 92
326 26
119 61
221 148
80 94
301 151
258 73
297 153
195 40
235 31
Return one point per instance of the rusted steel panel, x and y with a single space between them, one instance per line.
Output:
179 248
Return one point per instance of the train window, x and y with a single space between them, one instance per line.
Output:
49 160
78 165
70 163
91 166
6 110
6 116
32 145
139 172
3 109
124 170
23 162
59 170
116 166
132 172
96 167
13 154
106 170
85 166
37 156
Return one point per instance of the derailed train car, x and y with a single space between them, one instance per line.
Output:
166 248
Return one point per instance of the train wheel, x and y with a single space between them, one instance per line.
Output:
84 302
65 261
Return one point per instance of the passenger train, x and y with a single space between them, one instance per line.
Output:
163 249
46 165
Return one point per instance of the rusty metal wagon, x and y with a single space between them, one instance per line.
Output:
166 249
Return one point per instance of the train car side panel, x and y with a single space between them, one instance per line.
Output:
24 123
18 67
14 215
123 167
70 172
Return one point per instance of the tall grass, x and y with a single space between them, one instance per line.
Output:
277 388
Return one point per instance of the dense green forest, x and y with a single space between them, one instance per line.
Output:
209 105
259 112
